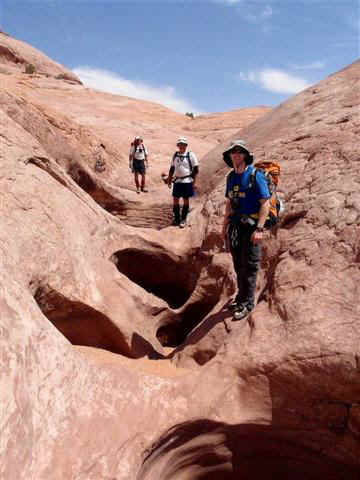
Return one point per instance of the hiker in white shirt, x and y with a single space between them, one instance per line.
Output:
138 162
183 172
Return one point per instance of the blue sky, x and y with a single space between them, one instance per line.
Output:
192 55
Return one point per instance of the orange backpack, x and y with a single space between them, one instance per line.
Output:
271 170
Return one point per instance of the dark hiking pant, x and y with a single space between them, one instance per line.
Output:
246 259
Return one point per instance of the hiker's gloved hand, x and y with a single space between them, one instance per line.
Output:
257 237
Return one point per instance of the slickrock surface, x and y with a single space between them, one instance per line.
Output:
15 56
95 288
221 126
164 368
72 122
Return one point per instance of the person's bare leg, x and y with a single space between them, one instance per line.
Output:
143 183
136 176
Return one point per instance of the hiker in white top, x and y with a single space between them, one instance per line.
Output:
183 172
138 162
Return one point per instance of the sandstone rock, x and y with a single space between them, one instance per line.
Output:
71 132
88 266
304 333
318 239
18 56
221 126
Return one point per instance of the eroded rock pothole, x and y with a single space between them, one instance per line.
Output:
103 198
189 285
80 323
169 278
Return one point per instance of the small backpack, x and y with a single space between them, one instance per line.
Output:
136 146
271 170
187 156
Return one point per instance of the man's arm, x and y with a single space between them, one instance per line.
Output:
170 176
257 235
264 211
194 167
227 213
131 158
194 174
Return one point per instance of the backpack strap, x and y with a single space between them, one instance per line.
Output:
189 160
252 179
187 156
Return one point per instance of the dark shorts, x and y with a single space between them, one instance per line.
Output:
139 166
183 190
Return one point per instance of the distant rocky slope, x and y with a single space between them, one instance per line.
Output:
221 126
81 119
85 261
17 56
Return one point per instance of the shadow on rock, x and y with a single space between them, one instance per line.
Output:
208 450
144 348
203 330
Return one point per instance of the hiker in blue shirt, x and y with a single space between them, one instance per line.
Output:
246 213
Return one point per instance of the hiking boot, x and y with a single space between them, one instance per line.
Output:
138 190
232 305
236 303
145 190
241 311
182 224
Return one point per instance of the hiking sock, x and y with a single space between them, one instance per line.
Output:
176 210
185 211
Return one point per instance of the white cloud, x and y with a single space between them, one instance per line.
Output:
228 2
257 16
276 81
112 83
252 13
310 66
267 12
